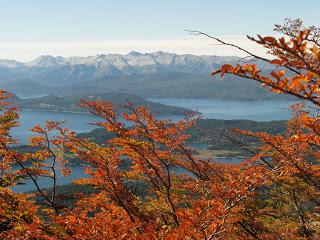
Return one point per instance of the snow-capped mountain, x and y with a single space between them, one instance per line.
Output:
58 71
135 62
146 74
10 63
46 61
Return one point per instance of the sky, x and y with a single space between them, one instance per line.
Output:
88 27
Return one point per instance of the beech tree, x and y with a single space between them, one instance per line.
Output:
18 215
291 203
149 184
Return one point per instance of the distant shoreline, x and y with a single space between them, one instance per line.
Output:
84 113
55 111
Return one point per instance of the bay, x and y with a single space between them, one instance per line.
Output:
233 110
210 109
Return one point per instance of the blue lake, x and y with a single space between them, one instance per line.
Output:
78 172
230 110
78 122
211 109
28 185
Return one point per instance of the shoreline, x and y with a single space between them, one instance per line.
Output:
87 113
55 111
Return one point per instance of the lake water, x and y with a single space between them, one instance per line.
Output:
211 109
77 172
230 110
78 122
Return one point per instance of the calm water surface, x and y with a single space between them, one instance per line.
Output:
230 110
210 109
77 172
74 121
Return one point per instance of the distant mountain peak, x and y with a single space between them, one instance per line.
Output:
155 74
10 63
46 61
101 56
57 71
135 53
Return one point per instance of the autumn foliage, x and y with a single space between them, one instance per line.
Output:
150 185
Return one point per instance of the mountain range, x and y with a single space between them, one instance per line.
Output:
157 74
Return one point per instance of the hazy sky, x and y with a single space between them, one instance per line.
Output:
30 28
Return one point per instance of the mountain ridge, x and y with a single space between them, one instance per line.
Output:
157 74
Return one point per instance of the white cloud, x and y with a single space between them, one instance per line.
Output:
26 51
